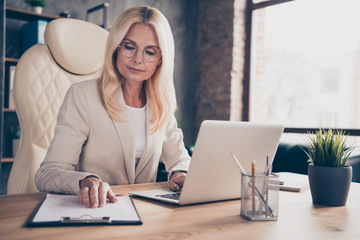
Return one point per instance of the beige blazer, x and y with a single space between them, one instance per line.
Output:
88 142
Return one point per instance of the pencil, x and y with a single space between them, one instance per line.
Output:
253 185
242 170
266 184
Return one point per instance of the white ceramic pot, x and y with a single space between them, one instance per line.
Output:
37 9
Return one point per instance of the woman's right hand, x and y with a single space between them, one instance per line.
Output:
94 192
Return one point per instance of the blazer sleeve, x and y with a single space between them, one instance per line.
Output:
174 154
57 171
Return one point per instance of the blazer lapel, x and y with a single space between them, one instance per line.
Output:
126 138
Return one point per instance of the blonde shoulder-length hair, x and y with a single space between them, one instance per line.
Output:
159 89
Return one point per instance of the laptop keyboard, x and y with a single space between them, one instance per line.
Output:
174 196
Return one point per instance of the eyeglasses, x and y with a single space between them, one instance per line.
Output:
150 54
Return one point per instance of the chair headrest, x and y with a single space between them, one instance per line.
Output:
76 45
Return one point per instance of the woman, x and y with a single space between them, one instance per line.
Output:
116 129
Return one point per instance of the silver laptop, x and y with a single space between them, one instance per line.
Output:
213 174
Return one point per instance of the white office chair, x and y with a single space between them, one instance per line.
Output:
73 51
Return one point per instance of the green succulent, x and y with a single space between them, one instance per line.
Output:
15 131
36 3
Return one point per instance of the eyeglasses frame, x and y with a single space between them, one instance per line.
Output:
137 49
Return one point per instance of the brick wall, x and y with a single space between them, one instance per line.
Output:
237 72
220 59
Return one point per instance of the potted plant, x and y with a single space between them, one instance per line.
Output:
36 5
329 176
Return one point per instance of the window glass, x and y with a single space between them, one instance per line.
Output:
305 64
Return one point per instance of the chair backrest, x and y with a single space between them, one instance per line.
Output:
73 51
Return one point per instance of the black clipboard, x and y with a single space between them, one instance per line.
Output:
83 220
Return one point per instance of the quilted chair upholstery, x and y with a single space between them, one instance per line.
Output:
73 51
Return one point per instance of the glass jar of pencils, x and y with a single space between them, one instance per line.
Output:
259 196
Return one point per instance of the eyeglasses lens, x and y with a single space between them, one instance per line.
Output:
129 50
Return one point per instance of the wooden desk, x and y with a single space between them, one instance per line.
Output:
298 219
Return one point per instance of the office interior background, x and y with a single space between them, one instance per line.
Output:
291 62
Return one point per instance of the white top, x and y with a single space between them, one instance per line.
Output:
138 125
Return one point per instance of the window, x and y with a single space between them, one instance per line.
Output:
305 64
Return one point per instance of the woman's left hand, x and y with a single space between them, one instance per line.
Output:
177 181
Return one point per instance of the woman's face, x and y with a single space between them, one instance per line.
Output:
139 53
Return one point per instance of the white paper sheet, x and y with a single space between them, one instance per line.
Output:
293 182
55 207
